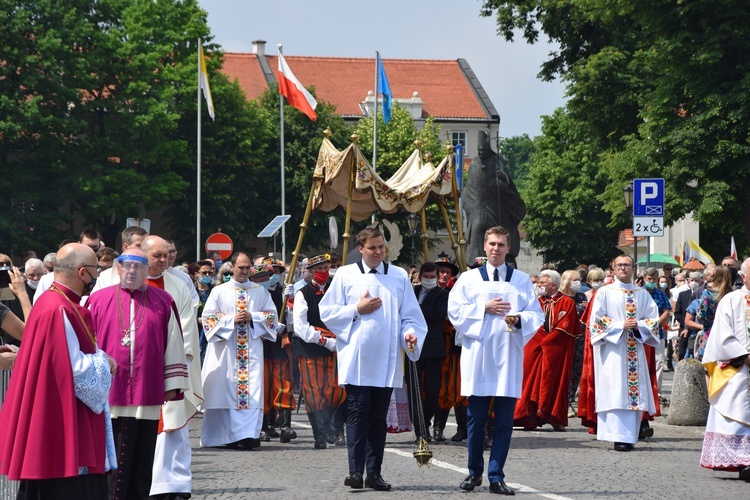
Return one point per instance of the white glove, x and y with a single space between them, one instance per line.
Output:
280 328
289 290
331 344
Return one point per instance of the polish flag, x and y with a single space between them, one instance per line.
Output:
295 93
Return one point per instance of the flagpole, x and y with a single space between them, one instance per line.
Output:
198 169
281 143
375 125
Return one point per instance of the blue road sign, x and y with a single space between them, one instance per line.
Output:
648 197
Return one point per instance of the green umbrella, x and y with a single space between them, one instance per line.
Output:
659 258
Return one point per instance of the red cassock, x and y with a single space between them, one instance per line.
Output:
547 365
47 432
587 389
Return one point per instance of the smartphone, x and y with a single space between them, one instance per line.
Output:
4 276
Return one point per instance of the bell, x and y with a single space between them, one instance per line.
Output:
423 453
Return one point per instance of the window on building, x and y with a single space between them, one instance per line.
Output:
459 138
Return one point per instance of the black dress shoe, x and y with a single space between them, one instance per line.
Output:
437 435
470 483
355 481
500 488
459 436
623 446
250 443
376 482
745 474
340 439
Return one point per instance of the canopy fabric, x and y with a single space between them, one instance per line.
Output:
408 188
659 258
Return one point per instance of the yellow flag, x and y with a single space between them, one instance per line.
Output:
203 83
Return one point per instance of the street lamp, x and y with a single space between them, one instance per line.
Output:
627 192
412 221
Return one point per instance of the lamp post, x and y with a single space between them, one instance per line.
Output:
627 192
412 221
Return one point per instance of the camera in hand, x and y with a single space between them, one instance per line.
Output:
4 276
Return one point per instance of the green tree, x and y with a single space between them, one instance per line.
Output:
565 219
517 152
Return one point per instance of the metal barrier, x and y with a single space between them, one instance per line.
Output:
8 488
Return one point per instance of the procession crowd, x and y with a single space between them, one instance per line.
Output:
113 353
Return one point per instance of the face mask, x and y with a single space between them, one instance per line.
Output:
218 264
542 291
274 279
663 286
227 277
575 286
32 284
429 283
321 277
694 285
265 284
650 285
332 272
205 280
87 287
596 284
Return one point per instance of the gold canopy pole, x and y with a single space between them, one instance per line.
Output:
423 214
317 181
354 138
447 219
459 220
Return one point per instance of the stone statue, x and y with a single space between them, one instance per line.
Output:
489 199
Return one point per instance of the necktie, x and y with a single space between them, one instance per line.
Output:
373 271
496 275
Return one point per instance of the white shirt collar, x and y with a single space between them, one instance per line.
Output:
380 269
501 270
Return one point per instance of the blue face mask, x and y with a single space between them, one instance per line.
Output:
265 284
205 280
218 264
227 277
650 285
274 280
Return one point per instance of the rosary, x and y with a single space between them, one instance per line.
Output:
135 323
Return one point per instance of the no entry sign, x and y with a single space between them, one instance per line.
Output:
220 242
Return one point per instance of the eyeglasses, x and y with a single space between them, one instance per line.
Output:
205 273
98 268
623 266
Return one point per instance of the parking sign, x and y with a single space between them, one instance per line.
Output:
648 198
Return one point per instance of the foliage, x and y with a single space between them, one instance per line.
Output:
658 89
565 219
517 152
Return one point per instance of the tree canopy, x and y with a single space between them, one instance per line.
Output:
656 89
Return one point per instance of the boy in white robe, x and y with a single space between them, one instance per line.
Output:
371 308
495 312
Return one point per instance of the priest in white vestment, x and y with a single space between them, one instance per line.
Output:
726 443
495 312
373 311
237 316
623 319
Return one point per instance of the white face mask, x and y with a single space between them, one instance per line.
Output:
32 284
694 285
575 286
596 284
429 283
542 291
332 272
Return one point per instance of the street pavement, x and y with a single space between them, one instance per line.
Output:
541 464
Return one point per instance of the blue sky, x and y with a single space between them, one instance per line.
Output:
406 29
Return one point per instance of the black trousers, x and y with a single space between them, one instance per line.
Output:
429 373
366 427
86 487
135 444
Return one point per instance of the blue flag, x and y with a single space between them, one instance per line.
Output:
385 90
459 165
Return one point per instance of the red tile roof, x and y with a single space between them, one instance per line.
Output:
442 85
